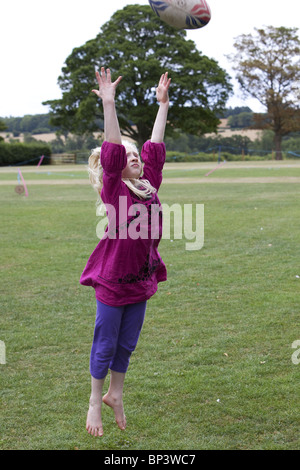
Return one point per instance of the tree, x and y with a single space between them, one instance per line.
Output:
139 46
236 110
268 68
241 120
3 126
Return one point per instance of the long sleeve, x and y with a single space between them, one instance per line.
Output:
113 161
153 156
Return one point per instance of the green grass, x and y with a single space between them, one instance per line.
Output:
213 367
227 172
43 175
198 170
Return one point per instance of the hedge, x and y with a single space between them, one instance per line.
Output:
23 154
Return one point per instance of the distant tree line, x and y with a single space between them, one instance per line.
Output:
234 145
32 124
238 117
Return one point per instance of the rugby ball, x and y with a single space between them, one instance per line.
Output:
182 14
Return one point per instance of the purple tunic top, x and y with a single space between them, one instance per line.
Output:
126 267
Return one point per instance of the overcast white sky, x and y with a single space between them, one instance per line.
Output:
36 37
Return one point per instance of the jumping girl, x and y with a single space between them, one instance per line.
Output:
123 270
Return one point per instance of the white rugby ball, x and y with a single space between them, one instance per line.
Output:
182 14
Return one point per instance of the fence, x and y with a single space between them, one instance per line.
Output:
63 158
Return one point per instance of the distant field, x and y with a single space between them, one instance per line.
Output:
213 368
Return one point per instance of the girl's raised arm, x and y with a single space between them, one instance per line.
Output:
106 92
162 96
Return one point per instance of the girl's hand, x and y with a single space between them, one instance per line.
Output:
162 90
107 89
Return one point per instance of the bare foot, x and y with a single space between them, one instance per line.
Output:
117 406
93 421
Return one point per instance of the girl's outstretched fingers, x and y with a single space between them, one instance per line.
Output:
163 87
166 80
116 83
106 87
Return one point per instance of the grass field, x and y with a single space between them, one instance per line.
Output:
213 367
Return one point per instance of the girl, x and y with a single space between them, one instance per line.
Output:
124 270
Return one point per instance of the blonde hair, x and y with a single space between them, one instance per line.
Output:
140 187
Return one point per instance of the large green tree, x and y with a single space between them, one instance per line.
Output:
268 69
2 128
139 46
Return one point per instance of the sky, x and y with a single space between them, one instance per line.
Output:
37 36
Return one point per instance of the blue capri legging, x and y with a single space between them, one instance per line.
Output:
117 330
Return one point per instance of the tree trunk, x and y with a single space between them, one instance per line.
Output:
278 139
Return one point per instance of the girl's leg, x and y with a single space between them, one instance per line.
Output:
130 328
107 324
106 333
114 397
94 421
